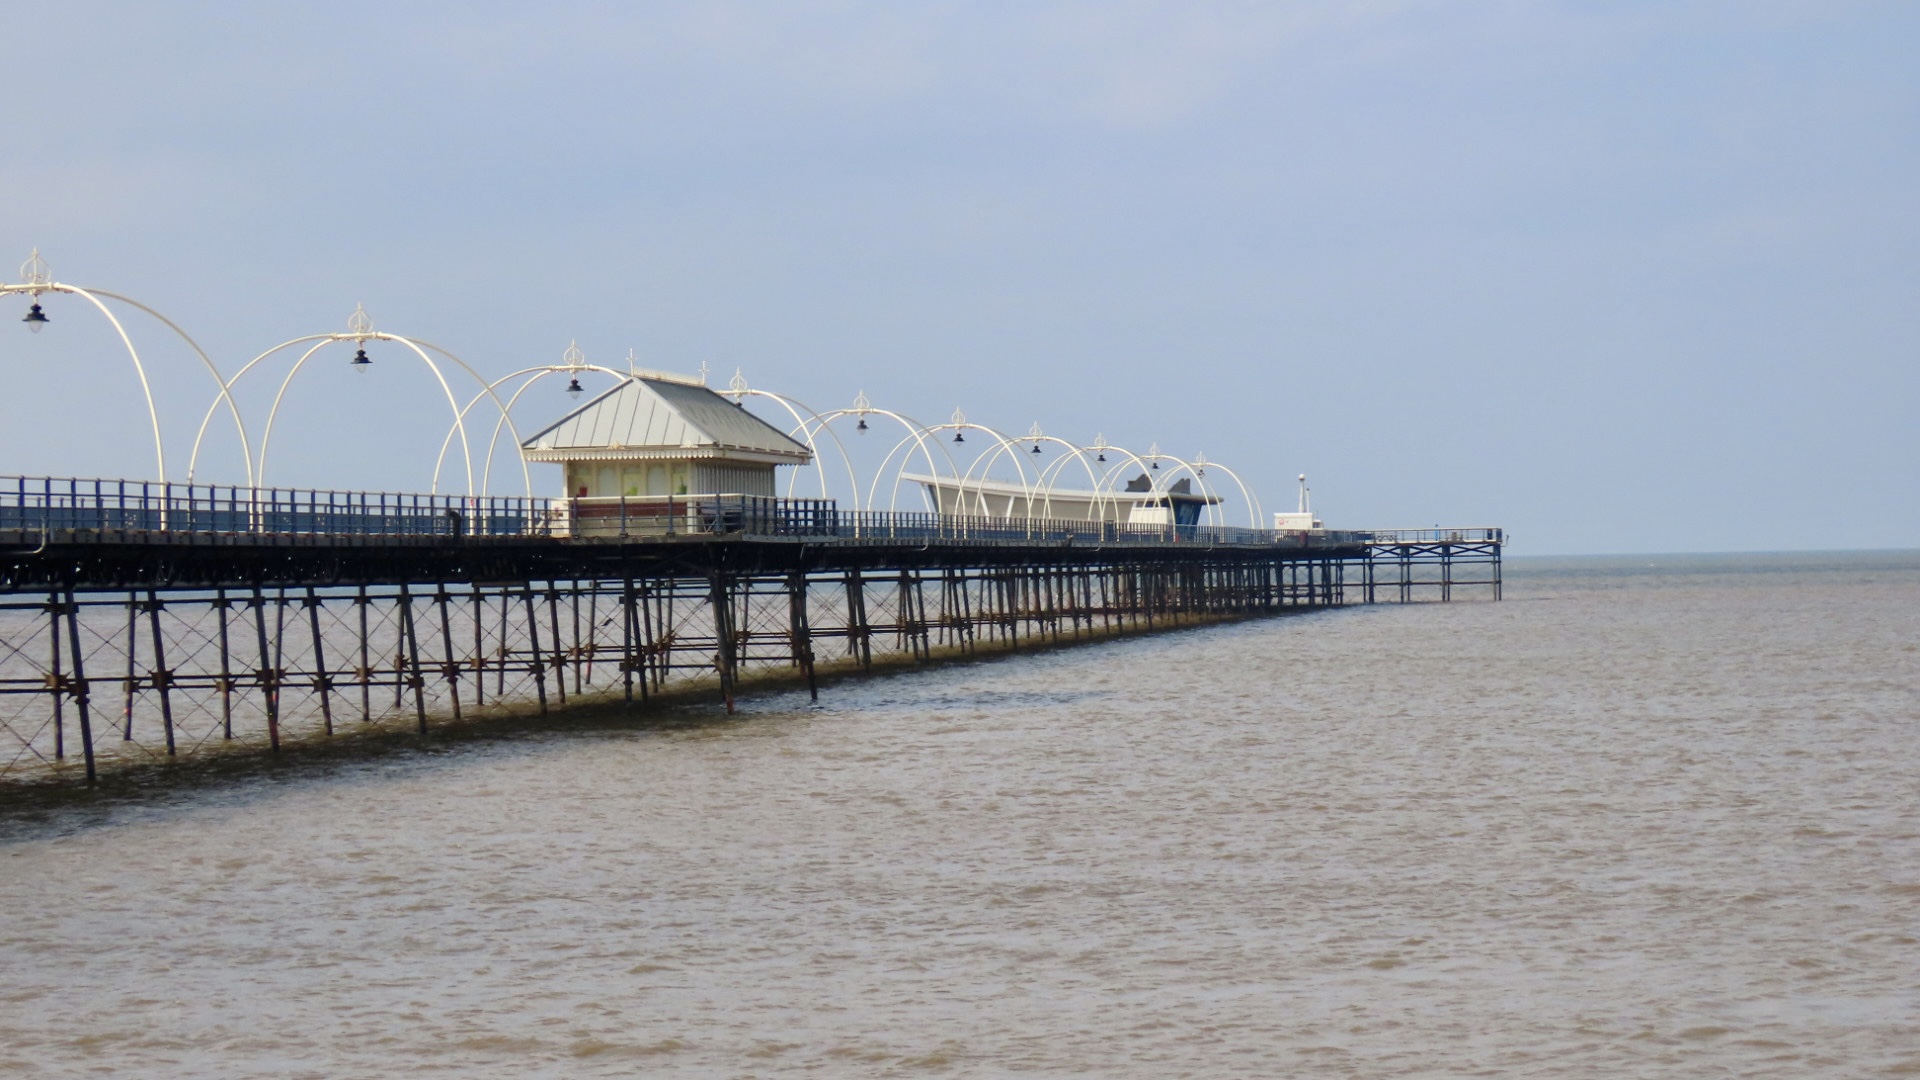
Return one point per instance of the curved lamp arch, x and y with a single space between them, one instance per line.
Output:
1256 515
38 281
360 330
1078 453
984 462
738 388
417 345
227 389
266 435
862 408
486 472
920 439
1147 465
1197 472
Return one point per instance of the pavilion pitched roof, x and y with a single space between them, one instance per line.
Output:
652 414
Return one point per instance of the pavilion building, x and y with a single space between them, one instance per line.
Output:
658 439
1141 502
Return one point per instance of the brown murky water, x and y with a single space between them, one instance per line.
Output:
1655 817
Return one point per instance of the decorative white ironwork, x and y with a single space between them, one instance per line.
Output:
540 372
361 331
806 426
917 433
920 441
1036 492
38 280
920 438
35 270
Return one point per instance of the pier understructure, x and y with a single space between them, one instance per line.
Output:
149 622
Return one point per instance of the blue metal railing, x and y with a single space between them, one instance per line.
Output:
113 508
756 515
1475 535
44 504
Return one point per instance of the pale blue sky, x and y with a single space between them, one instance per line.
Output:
1619 277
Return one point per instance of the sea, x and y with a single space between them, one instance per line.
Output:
1650 816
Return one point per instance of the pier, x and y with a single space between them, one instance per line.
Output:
151 620
144 621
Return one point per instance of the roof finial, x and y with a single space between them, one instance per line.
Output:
35 270
633 359
703 373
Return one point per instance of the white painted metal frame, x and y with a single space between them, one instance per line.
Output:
862 408
809 424
37 280
360 330
737 388
572 362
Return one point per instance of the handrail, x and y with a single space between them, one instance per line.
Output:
1474 534
40 504
158 509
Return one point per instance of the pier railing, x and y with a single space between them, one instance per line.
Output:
43 504
38 506
756 515
1475 535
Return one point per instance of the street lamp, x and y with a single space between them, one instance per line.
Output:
360 326
36 279
35 273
